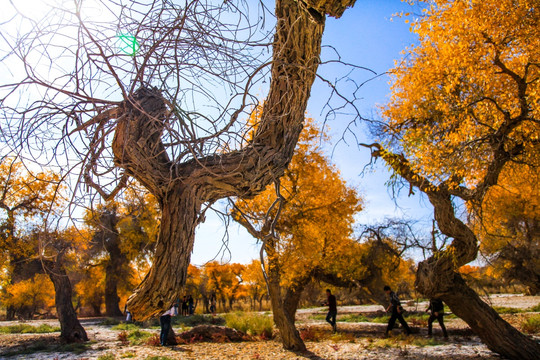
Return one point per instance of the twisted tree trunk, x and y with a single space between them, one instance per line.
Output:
284 307
437 276
181 188
71 328
115 265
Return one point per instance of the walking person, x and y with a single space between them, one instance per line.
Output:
165 323
213 304
397 312
184 306
191 306
332 309
437 312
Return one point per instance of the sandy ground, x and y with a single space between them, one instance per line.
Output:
354 340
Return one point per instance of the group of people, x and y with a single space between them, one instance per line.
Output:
436 309
188 307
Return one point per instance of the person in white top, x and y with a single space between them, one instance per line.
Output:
165 323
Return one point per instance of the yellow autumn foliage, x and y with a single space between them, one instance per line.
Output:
476 67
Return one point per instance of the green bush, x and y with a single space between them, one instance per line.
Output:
126 327
353 318
28 329
532 324
536 308
250 323
138 337
506 310
381 319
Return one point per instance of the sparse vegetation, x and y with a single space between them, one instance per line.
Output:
126 326
532 325
138 337
251 323
108 356
353 318
507 310
28 329
402 340
48 347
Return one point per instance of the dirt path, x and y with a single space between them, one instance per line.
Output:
354 340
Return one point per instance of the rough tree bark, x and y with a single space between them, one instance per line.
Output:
284 306
71 328
438 277
115 265
181 188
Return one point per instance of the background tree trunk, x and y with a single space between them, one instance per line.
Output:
71 328
283 307
496 333
437 276
117 262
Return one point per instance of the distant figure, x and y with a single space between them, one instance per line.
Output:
397 312
191 306
184 306
165 323
129 318
437 312
213 304
332 309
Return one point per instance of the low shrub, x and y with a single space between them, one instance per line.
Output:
108 356
312 334
28 329
535 308
153 340
418 319
126 326
354 318
506 310
342 337
381 319
532 324
123 337
251 323
138 337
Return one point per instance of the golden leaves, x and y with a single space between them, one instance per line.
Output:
472 72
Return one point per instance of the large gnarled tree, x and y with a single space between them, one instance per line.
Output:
165 108
464 109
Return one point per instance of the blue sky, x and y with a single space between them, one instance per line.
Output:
369 36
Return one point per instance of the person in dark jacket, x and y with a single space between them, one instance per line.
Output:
397 312
436 307
332 309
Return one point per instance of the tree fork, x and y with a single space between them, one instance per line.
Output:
436 276
138 149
